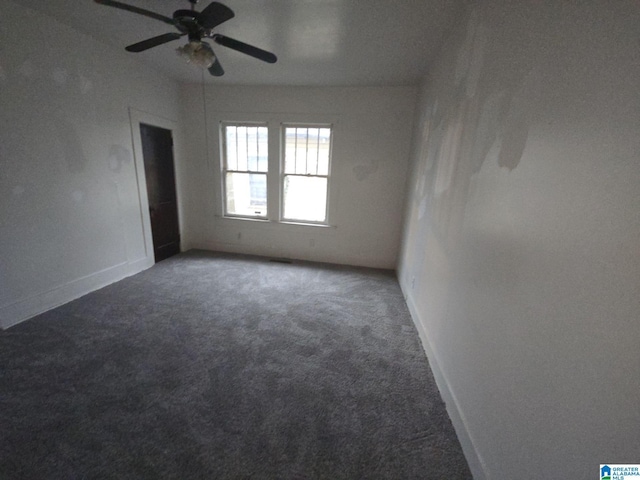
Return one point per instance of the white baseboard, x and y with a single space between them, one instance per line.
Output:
16 312
269 252
476 465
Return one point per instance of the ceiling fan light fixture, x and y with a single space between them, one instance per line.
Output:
197 53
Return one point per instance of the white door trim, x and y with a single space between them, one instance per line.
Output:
136 118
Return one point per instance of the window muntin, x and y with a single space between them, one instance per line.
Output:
305 177
245 165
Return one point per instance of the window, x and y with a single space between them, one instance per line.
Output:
245 166
295 185
306 173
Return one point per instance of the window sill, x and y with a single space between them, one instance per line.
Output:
305 224
275 222
246 219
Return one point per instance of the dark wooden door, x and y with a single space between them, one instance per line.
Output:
157 150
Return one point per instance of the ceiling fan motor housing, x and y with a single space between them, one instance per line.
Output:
186 21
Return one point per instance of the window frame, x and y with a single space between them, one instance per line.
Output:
283 174
273 121
224 170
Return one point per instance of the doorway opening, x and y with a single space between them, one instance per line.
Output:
159 169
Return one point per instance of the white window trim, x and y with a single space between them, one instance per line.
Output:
224 170
274 122
283 127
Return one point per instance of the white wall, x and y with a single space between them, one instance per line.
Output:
372 136
70 216
521 252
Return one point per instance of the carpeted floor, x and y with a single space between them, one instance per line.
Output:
219 366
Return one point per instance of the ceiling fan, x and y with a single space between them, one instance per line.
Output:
196 25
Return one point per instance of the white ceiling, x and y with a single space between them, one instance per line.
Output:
318 42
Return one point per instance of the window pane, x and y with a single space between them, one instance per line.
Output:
252 148
312 151
247 148
232 156
263 149
307 151
324 142
305 198
290 150
241 139
301 151
246 194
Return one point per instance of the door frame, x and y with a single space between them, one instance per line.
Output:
137 117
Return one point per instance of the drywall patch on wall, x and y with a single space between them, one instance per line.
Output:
487 129
475 119
70 146
86 85
118 156
516 124
60 76
78 196
27 69
422 209
470 59
362 172
448 153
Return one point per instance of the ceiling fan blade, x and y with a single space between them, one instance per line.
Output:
216 69
214 14
140 11
245 48
153 42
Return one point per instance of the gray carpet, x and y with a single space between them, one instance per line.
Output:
219 366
